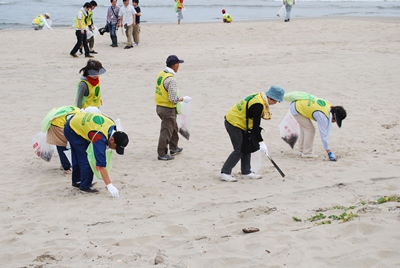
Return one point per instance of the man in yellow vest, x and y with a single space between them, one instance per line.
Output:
167 100
40 21
226 18
243 116
307 107
91 27
83 129
80 31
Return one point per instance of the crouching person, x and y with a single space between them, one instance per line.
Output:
93 133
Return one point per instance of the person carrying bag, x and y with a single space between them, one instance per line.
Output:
242 123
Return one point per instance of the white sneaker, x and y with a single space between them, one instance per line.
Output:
227 177
252 176
309 155
135 44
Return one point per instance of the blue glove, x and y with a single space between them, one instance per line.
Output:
332 157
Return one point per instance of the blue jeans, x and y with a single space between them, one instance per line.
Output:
236 135
113 29
81 171
63 158
288 10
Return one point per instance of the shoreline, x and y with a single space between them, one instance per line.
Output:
241 21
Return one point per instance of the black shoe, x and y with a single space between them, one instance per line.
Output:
175 152
127 47
166 157
74 55
287 20
76 184
88 56
93 52
89 191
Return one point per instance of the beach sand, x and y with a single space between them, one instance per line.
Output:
179 212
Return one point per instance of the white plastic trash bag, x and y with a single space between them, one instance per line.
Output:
281 11
184 119
289 129
42 148
255 161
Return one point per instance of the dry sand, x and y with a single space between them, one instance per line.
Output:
179 212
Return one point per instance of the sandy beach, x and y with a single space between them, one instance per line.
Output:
178 213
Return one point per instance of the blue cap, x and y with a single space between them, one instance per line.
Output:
275 93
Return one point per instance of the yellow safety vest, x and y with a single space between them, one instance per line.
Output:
89 18
227 17
83 21
179 4
61 120
237 114
94 97
161 96
83 123
307 107
38 20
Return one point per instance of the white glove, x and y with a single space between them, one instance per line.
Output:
263 148
187 99
113 190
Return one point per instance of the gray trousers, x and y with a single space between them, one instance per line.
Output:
169 130
236 135
288 10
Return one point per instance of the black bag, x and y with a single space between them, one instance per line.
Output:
250 142
104 29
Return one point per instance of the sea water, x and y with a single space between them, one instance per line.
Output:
19 14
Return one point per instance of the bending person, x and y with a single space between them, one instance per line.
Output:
83 129
306 107
247 114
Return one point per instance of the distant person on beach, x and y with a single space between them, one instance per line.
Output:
112 22
179 8
306 107
91 27
127 19
80 31
136 26
167 105
247 114
288 5
100 133
226 18
40 21
88 91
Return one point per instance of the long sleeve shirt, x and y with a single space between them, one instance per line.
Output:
255 112
172 87
324 124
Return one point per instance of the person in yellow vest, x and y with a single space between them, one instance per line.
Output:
288 5
40 21
88 91
226 18
53 124
167 102
100 130
80 31
91 27
308 107
179 8
254 107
